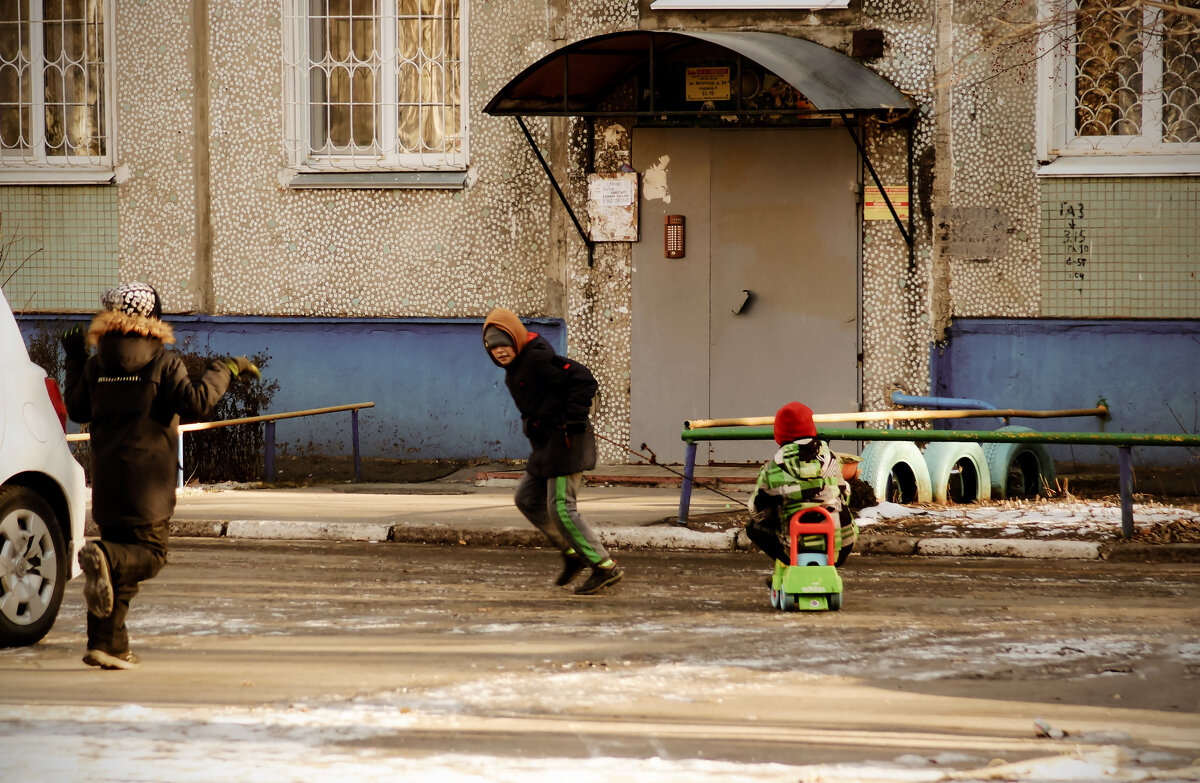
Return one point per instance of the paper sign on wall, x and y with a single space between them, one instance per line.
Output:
875 208
612 207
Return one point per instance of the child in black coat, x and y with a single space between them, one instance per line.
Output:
132 392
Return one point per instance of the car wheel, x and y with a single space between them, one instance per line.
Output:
33 567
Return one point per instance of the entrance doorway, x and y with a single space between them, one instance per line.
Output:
763 307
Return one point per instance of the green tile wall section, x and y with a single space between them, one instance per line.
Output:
64 241
1121 247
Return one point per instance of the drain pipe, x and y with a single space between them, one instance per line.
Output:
916 401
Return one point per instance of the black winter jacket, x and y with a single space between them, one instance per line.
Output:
554 395
132 392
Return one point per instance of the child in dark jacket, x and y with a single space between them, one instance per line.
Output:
554 396
132 393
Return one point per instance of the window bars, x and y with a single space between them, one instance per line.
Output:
375 85
55 79
1125 77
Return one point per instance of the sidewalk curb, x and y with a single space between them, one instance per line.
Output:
669 538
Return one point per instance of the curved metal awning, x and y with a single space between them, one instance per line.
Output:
577 79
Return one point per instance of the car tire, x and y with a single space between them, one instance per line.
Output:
896 471
958 472
33 567
1019 470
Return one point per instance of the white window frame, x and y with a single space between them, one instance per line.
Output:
298 142
748 5
33 166
1060 153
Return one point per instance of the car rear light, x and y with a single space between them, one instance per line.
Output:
56 399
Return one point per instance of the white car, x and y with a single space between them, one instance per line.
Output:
43 496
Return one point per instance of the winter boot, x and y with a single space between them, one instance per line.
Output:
602 576
107 660
98 589
572 565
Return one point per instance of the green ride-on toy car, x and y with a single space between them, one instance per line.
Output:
811 583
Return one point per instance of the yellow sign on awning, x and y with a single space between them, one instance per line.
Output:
875 208
707 84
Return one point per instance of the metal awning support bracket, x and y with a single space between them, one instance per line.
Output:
557 189
905 232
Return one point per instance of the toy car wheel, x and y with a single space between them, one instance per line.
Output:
774 598
835 602
958 472
787 601
1019 470
33 567
896 471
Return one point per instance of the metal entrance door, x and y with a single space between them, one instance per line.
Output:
763 308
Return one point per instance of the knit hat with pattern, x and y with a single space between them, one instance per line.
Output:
133 299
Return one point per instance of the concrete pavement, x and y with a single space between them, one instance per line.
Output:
633 507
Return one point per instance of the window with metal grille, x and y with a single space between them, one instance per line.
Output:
55 82
1121 78
375 85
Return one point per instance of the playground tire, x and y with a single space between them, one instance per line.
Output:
896 472
835 602
972 482
1025 468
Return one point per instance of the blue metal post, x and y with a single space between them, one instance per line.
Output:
179 475
689 469
269 450
1125 459
357 458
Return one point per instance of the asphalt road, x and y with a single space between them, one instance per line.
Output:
452 650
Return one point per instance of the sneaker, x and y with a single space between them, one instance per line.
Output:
572 565
600 579
98 590
107 660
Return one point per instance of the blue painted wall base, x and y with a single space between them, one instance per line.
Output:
1148 371
437 394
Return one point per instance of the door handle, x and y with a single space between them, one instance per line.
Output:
747 300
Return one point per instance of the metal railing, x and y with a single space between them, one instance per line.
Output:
268 434
703 430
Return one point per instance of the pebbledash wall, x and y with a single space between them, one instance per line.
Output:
389 286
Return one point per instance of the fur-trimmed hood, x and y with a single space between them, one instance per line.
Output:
127 343
112 321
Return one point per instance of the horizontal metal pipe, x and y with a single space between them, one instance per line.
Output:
985 436
755 421
212 425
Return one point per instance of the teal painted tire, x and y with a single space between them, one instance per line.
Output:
1019 470
896 472
958 472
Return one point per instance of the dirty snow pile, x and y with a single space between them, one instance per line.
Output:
1042 519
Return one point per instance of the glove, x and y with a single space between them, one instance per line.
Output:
73 342
575 427
241 367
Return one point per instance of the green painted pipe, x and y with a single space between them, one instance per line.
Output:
978 436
